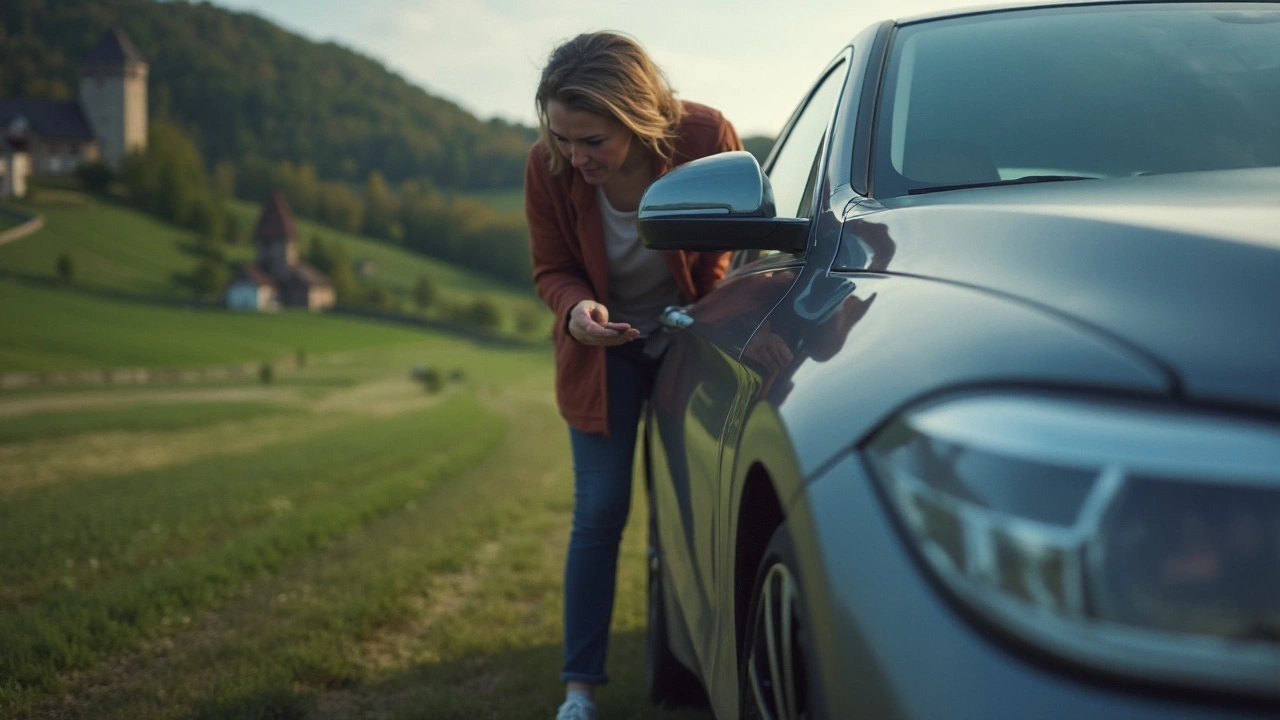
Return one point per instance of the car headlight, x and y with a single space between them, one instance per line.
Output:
1132 539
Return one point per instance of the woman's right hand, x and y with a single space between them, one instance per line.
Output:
589 324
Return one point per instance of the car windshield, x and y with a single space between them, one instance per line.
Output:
1081 92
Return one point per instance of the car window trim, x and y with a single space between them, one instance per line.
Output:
864 144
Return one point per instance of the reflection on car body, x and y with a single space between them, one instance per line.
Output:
985 421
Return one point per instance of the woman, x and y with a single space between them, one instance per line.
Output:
610 126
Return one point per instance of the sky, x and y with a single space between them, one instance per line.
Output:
751 59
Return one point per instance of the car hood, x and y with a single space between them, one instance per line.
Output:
1184 268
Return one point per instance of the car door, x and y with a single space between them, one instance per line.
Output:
702 384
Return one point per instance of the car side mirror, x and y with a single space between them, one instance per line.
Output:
720 202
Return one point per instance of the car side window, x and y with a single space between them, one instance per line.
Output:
793 174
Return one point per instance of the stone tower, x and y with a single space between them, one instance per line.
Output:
276 238
113 93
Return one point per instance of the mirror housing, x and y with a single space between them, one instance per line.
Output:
719 202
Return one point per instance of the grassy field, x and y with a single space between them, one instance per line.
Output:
507 202
50 328
347 545
112 248
116 249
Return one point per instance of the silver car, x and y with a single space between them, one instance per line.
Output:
985 420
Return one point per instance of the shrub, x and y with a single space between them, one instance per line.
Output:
526 319
66 269
485 313
95 176
266 373
424 293
429 377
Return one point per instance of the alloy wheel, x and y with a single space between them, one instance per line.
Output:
775 663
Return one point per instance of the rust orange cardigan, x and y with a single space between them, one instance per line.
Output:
566 238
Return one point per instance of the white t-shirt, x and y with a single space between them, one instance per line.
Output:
640 286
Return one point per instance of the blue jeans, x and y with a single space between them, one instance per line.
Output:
602 499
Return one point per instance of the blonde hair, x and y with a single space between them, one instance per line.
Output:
610 75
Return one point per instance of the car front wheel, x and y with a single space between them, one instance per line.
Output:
773 681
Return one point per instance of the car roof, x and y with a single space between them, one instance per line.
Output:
1037 4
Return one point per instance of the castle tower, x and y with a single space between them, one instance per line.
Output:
276 238
113 93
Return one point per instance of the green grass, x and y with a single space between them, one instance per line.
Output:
506 202
177 540
48 329
162 416
384 588
385 553
111 247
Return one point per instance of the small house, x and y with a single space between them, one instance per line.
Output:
277 278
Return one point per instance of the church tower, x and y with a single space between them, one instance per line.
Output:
276 237
113 93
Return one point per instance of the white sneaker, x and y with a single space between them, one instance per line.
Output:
577 707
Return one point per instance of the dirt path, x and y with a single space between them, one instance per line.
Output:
11 406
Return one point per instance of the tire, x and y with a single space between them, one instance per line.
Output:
772 680
668 680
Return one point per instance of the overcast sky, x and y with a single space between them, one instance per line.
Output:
749 58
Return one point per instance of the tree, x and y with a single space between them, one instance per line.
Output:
379 207
341 275
485 313
168 179
381 298
224 179
424 292
210 277
318 255
234 232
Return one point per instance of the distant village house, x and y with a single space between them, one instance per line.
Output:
277 277
107 123
15 167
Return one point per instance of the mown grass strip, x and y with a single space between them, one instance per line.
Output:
165 416
70 535
71 630
447 608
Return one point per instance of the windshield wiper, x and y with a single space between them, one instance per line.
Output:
1025 180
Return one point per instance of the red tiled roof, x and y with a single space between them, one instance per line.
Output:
252 273
276 220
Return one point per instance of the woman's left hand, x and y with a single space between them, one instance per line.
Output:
589 324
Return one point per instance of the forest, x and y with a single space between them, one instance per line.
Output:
239 106
242 87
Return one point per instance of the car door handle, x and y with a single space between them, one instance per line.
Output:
675 318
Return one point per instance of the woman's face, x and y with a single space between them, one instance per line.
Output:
595 145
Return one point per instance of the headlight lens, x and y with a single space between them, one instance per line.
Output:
1134 539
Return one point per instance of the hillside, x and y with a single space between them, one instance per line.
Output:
121 250
122 256
244 87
